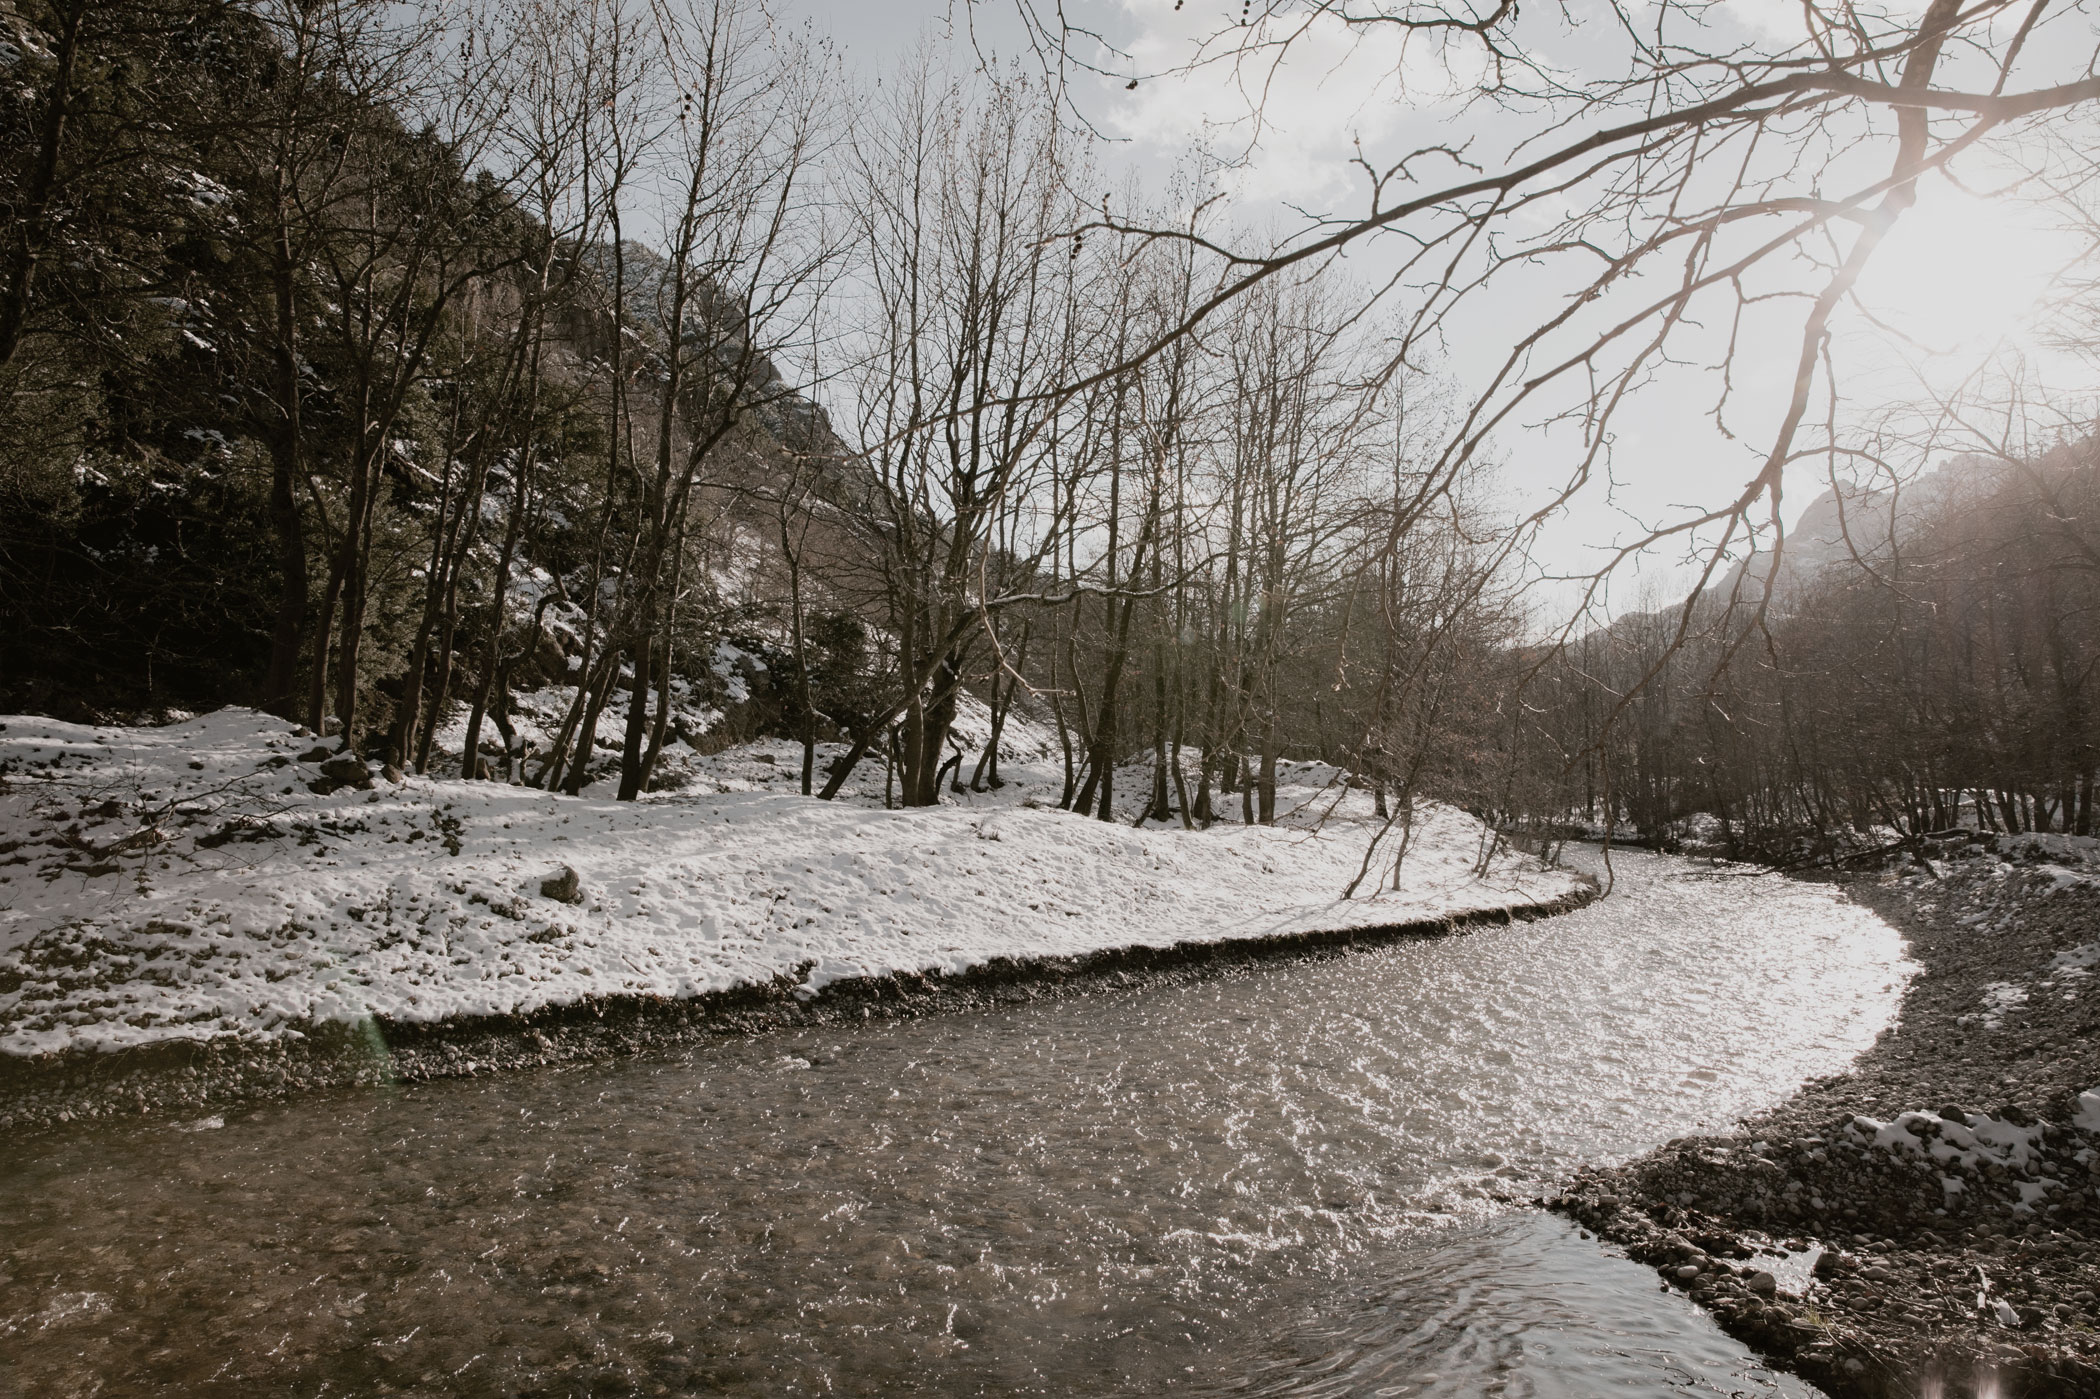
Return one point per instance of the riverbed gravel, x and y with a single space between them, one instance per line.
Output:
1927 1224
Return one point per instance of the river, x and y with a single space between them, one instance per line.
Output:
1290 1179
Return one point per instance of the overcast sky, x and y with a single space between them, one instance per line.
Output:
1959 274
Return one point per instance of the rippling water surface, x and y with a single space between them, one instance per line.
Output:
1282 1181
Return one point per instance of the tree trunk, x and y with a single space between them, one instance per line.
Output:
520 502
587 735
31 223
285 520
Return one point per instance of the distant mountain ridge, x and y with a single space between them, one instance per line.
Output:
1861 526
1850 526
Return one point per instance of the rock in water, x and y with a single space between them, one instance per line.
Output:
563 886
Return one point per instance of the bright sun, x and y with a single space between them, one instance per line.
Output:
1958 274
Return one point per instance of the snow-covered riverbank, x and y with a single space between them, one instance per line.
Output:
184 883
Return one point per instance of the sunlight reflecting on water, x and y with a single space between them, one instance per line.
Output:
1196 1187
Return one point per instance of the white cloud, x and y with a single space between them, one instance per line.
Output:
1289 118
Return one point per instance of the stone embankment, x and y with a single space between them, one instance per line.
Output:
1929 1223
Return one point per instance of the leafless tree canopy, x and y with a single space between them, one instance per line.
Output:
508 386
1679 167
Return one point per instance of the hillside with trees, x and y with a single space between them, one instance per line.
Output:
1923 663
375 375
518 392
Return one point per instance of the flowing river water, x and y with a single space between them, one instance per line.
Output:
1288 1180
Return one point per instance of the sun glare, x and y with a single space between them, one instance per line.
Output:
1959 274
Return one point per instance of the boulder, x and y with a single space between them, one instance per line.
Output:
563 886
550 658
347 768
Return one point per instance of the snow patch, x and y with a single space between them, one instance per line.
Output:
1981 1140
1998 998
187 882
2076 963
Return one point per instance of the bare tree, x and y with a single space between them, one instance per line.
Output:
1694 173
969 322
578 76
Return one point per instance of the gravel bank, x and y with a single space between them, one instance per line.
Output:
1929 1223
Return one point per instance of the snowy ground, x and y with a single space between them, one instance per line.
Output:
158 883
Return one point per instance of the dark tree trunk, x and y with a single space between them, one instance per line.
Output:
32 222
